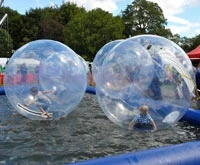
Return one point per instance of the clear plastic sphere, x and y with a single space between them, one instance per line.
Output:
45 79
133 74
101 55
167 50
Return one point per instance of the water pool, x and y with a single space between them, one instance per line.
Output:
85 134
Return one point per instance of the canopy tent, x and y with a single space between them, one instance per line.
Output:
194 54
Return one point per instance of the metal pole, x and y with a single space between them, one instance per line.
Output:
1 2
3 19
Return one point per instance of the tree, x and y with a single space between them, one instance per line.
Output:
103 28
6 45
74 33
184 42
144 17
50 27
195 41
32 22
68 11
86 33
14 25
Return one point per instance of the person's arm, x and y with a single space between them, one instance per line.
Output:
49 91
154 125
152 122
30 103
130 126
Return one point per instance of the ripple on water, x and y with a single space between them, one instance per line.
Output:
85 134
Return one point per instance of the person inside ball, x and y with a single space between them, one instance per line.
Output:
40 100
143 120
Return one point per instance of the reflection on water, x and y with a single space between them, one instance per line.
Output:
86 133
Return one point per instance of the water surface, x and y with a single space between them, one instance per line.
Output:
84 134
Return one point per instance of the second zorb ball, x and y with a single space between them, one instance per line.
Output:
45 79
145 70
122 81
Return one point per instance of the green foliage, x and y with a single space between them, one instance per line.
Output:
51 29
195 41
68 11
5 44
32 22
93 30
13 24
184 42
74 33
144 17
86 31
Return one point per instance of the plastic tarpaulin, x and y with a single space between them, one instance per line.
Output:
194 54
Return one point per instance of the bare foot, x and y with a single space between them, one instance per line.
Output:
45 115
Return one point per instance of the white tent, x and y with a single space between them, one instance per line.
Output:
3 61
20 61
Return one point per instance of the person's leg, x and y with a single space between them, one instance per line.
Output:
43 111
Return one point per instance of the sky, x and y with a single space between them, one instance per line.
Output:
182 15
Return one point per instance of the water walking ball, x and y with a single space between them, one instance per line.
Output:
145 70
45 79
101 55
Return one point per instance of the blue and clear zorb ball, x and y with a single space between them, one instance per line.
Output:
144 70
45 79
101 55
